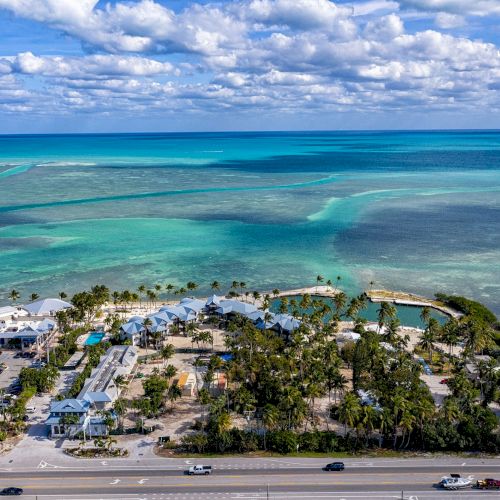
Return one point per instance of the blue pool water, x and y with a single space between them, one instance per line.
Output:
407 315
94 338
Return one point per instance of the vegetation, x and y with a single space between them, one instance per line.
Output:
40 379
275 380
94 354
468 307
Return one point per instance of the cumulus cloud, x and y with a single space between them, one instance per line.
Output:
87 67
461 7
283 55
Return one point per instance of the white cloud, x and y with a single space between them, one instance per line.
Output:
86 67
283 55
461 7
299 14
445 20
384 28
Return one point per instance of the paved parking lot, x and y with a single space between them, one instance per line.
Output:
14 366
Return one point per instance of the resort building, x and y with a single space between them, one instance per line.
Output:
187 383
15 333
46 307
70 417
189 310
8 312
100 389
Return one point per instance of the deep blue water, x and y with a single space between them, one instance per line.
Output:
413 211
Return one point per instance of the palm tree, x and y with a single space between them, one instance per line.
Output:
34 296
170 372
429 337
63 295
319 279
142 290
425 314
14 295
120 381
368 419
449 335
169 288
174 393
120 408
385 312
338 280
276 293
215 286
406 423
339 301
270 419
255 295
167 351
151 296
339 383
386 423
349 410
191 286
147 325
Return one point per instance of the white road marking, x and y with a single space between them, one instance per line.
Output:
116 481
142 481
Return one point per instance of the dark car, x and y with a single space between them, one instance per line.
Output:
11 491
334 466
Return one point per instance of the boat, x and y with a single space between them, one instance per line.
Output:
455 482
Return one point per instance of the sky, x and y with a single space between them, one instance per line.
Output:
176 65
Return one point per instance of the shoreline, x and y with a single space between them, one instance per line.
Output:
374 296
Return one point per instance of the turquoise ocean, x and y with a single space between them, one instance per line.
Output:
413 211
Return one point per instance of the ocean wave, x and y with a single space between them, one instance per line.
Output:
67 164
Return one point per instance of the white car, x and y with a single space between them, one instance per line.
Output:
30 409
199 470
455 482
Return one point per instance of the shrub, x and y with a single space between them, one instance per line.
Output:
282 441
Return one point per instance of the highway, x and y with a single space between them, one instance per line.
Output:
260 478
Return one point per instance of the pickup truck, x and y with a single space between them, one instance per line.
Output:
198 470
488 484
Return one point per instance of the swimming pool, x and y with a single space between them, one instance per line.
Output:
94 338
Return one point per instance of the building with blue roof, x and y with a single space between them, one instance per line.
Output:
98 393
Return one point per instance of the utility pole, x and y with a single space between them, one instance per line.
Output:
268 492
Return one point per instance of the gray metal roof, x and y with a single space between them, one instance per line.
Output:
46 306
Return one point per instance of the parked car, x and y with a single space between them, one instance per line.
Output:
334 466
444 381
11 491
30 409
199 470
18 355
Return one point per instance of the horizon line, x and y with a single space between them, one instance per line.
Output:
270 131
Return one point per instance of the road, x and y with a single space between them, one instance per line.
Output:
288 478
